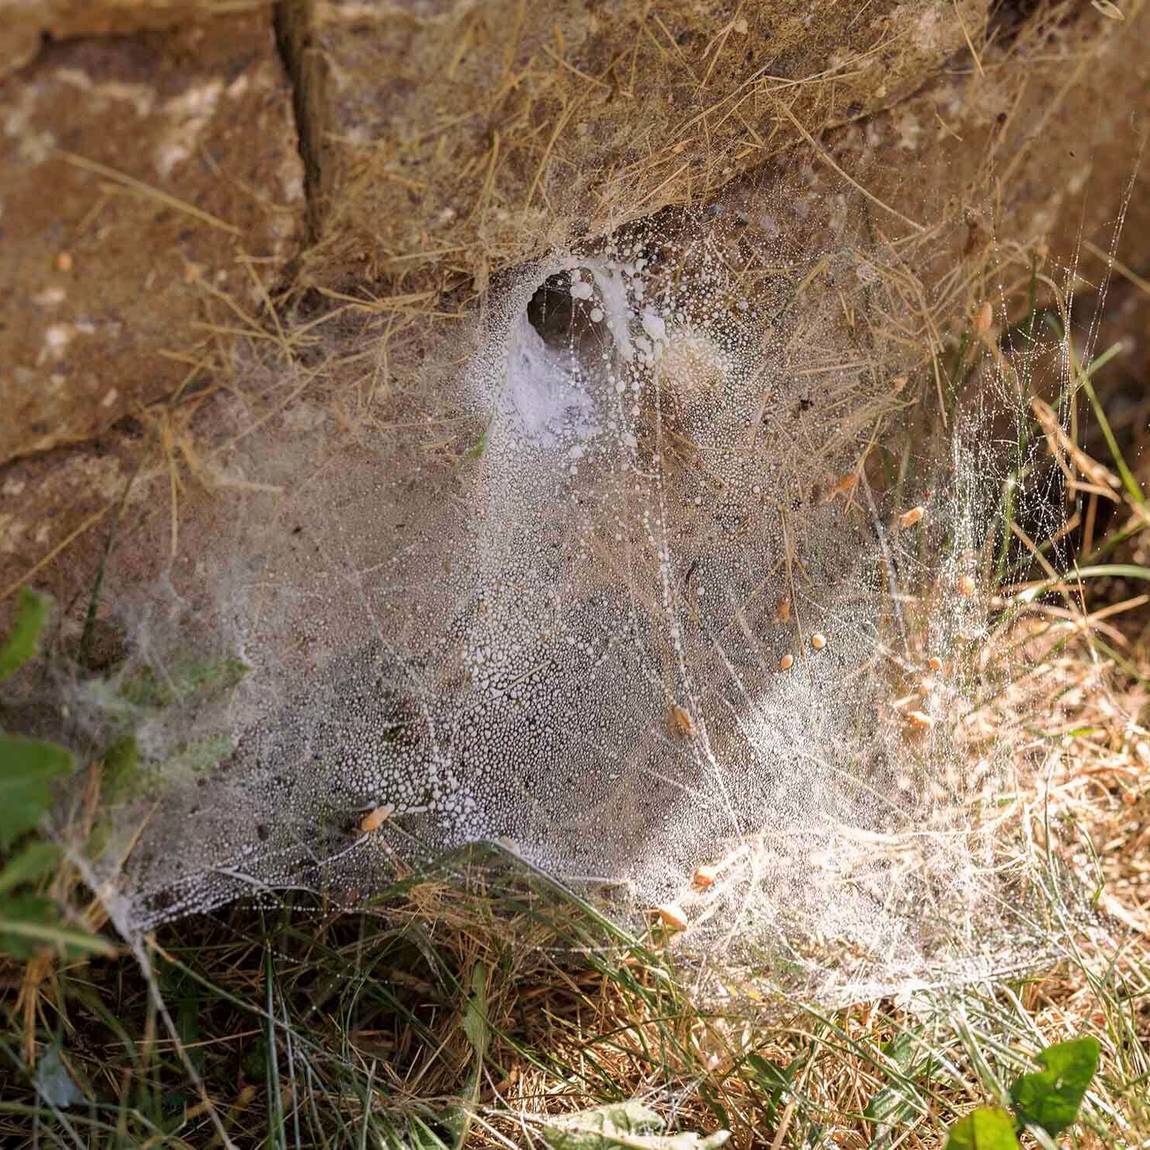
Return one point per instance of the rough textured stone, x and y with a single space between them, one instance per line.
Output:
27 23
451 139
1034 143
141 178
1036 147
50 501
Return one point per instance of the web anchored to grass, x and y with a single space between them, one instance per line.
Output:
691 612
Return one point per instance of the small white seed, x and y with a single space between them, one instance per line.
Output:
920 720
703 877
818 640
672 915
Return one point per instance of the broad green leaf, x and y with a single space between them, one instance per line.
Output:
24 639
210 678
775 1083
35 861
27 768
600 1127
894 1105
987 1128
1052 1096
477 1031
198 757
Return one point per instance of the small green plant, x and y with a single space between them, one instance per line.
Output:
186 680
1047 1099
29 919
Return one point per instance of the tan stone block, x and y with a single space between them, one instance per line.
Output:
27 23
1036 146
142 179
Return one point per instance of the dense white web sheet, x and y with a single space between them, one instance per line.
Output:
705 588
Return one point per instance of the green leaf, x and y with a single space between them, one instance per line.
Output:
987 1128
198 757
35 861
602 1126
901 1100
623 1126
420 1136
122 776
1051 1097
186 679
895 1105
210 678
476 450
31 923
775 1083
24 639
475 1026
27 768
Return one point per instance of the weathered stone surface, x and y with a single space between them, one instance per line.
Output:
451 139
1035 143
61 502
142 178
1035 147
27 23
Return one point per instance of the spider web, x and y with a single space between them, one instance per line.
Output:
703 584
